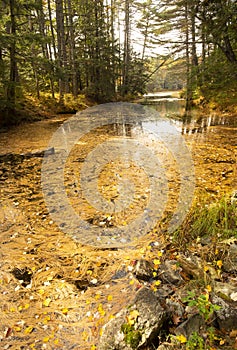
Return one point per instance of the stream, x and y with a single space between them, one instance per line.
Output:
46 261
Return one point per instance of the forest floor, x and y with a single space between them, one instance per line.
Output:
57 293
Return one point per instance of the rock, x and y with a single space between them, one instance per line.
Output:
170 273
226 317
230 262
175 308
193 324
191 265
226 291
149 318
143 270
164 291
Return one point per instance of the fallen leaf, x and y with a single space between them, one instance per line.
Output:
181 338
47 301
176 319
233 333
28 330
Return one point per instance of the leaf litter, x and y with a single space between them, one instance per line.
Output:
56 293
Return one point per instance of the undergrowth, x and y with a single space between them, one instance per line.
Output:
216 220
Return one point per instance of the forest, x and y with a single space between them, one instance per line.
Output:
118 193
115 49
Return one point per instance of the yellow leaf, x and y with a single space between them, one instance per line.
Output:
28 330
93 347
160 254
132 317
17 328
110 298
20 308
222 341
46 319
101 310
181 338
156 261
85 336
12 309
41 291
89 272
134 313
46 339
97 296
64 310
132 282
26 306
47 301
219 263
56 341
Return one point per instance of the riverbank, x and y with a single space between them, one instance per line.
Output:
31 109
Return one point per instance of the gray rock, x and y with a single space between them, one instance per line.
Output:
149 321
226 291
175 308
143 270
193 324
226 317
230 262
170 273
164 291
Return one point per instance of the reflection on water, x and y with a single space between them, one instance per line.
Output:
168 107
193 122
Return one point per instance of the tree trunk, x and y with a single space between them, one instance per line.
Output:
188 72
61 47
72 50
126 54
11 90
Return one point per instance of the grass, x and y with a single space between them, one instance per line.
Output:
215 221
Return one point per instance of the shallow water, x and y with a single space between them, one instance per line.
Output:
141 153
31 238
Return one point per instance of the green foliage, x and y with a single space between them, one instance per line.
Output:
216 219
132 336
217 80
202 303
195 342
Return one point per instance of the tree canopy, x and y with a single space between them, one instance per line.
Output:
110 48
